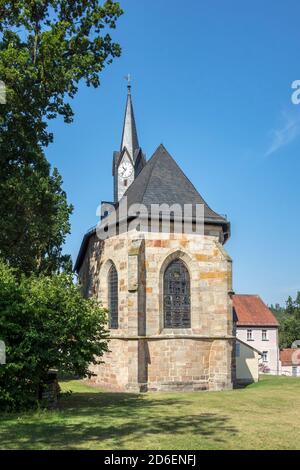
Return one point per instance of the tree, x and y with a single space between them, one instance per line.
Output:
46 48
46 324
278 311
289 329
34 218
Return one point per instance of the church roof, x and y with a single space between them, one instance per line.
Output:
162 181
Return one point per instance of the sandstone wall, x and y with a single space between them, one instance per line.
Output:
145 355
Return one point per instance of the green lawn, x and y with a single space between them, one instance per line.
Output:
262 416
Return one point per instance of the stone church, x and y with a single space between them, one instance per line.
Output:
167 292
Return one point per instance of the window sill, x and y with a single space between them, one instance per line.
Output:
176 331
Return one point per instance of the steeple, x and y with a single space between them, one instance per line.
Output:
130 160
129 135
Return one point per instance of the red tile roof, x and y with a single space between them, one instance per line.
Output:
290 356
250 310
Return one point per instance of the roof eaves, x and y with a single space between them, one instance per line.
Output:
249 346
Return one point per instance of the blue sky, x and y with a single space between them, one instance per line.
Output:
212 82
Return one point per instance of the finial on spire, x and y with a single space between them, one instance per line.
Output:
128 78
129 135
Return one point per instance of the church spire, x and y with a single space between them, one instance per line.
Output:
130 160
129 135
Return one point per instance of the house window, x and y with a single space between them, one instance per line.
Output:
249 335
113 297
177 308
294 371
237 349
265 356
264 335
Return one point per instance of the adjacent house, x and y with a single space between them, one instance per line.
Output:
257 326
247 363
290 361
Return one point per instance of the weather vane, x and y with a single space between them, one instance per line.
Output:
128 78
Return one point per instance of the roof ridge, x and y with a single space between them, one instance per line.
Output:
140 192
150 172
190 182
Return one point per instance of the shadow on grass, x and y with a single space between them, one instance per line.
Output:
113 421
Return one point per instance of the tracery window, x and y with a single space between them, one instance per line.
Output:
176 295
113 297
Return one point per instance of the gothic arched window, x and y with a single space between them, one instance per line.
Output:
113 297
177 306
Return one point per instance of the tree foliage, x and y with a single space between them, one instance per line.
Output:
46 324
34 218
289 329
46 48
278 311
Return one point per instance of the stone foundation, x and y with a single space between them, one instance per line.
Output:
166 364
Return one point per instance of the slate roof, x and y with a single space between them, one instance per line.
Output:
163 181
250 310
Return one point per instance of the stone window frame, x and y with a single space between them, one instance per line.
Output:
113 321
104 291
193 271
185 311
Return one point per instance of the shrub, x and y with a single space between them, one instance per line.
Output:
46 324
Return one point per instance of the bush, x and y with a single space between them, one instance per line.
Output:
46 324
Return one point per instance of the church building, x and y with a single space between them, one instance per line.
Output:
167 291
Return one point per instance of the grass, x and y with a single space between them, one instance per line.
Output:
262 416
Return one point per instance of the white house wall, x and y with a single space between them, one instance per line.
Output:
270 345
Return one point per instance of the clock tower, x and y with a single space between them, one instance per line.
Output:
130 160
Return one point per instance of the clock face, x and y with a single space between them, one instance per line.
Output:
125 169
